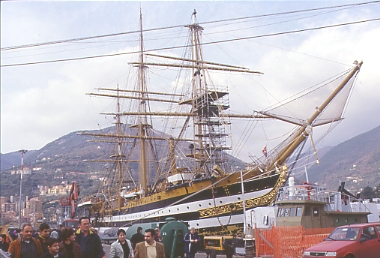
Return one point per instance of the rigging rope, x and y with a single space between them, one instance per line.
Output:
206 43
180 26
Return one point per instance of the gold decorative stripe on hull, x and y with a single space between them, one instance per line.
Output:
249 203
225 181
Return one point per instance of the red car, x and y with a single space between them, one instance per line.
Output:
351 241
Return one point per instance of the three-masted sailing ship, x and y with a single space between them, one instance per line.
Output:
188 174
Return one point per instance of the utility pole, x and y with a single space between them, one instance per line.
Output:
242 195
20 199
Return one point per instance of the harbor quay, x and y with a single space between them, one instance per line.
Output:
107 247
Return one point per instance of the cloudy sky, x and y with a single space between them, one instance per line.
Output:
41 102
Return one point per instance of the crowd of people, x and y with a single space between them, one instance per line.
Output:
85 243
66 243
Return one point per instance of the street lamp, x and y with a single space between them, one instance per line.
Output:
20 199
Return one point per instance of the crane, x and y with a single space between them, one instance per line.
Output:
71 200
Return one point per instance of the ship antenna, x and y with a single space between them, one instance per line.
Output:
307 176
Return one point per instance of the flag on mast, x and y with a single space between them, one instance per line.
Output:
265 151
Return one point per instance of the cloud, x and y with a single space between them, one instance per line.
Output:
43 102
59 105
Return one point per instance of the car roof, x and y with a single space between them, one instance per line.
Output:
360 225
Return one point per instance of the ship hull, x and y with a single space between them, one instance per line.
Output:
188 207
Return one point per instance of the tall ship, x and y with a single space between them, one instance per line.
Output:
184 169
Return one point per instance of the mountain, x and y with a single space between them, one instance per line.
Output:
66 152
12 159
355 161
59 162
63 161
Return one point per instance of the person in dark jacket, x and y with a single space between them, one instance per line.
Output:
3 243
192 242
53 249
25 246
229 246
88 241
43 235
137 238
68 246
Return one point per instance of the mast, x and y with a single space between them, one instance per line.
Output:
209 123
305 130
197 83
118 153
142 123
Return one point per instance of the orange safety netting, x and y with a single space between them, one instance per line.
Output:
287 242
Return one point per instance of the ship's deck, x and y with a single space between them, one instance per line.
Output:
334 200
